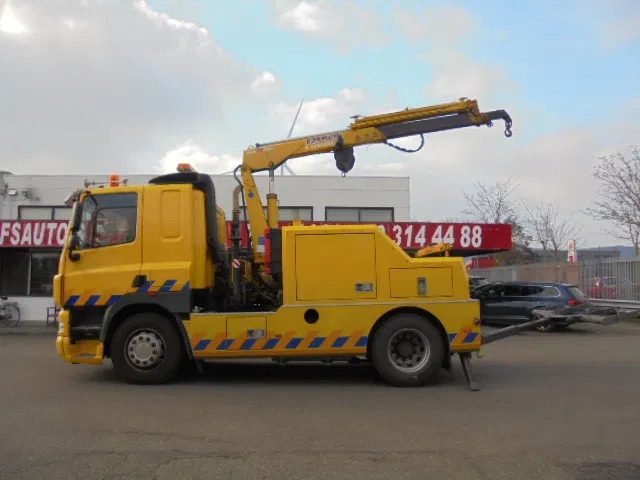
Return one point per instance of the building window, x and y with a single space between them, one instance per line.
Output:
62 213
44 265
34 213
358 214
288 214
14 271
26 212
26 271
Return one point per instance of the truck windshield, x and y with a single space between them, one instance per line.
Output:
107 220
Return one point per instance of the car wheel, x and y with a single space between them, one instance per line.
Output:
407 350
146 349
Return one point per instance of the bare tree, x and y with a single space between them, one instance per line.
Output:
549 228
492 203
618 200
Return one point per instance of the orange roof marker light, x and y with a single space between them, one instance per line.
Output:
114 180
185 167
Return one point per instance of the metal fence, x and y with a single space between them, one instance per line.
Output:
605 279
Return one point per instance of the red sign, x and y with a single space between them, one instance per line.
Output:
33 233
470 237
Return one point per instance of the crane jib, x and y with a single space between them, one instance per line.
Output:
449 122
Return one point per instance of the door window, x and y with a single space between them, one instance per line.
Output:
548 291
513 291
108 220
497 291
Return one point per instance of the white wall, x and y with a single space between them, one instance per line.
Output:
299 190
33 310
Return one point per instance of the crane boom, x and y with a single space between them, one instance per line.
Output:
362 131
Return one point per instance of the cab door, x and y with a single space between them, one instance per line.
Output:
106 260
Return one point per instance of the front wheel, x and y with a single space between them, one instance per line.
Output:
9 316
146 349
407 350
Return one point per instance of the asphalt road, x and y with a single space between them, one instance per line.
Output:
554 406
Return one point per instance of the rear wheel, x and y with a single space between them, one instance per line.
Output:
9 315
146 349
407 350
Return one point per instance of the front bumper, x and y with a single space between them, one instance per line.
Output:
83 351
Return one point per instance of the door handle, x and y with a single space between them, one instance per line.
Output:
139 281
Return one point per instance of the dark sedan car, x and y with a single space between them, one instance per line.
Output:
510 303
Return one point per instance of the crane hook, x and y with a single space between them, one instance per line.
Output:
507 130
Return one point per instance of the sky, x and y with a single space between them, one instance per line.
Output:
103 86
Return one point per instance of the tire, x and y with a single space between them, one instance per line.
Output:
10 316
405 333
146 349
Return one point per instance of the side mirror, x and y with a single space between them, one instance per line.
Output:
74 243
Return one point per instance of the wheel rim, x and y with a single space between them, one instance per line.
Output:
409 350
144 349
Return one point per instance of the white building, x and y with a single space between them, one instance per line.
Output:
33 219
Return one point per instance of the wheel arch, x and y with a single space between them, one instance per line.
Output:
427 315
113 319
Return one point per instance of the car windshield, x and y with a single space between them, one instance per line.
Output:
609 281
576 292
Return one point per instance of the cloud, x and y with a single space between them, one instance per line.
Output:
342 24
265 83
440 24
202 161
456 74
323 113
10 24
105 86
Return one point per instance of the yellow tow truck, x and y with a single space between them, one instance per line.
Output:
147 280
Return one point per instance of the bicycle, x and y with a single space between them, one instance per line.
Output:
9 313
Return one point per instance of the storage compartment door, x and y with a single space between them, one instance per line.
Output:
421 282
336 266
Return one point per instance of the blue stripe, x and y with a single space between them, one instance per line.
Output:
294 342
167 286
113 299
72 300
362 342
248 344
471 336
146 286
452 337
202 344
317 342
260 240
93 299
225 344
271 343
340 341
187 287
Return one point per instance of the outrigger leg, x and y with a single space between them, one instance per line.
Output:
465 360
